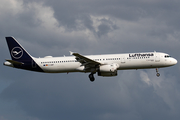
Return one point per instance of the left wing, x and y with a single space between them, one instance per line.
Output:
86 62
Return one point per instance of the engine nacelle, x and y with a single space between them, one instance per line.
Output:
107 74
108 70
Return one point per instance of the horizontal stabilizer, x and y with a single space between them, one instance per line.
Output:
15 62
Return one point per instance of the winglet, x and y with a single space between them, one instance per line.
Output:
71 53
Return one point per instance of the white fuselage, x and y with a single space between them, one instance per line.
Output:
125 61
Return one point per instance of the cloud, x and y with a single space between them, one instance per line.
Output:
144 77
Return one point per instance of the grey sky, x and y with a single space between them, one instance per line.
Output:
90 27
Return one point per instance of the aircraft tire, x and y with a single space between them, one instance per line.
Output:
91 77
158 74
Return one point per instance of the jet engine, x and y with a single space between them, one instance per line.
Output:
108 70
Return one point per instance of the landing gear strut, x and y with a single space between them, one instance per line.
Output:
91 77
157 73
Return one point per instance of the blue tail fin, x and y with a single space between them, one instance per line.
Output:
17 52
20 57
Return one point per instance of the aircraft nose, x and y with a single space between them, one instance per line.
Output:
174 61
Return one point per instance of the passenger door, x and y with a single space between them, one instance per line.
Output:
33 64
123 60
157 57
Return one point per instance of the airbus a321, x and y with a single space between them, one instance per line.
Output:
104 65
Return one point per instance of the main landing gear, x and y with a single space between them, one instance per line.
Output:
157 73
91 77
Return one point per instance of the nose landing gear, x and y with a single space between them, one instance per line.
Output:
157 73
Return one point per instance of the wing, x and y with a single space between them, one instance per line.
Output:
85 61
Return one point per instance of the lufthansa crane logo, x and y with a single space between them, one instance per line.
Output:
16 52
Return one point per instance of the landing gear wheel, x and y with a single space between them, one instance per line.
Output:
91 77
158 74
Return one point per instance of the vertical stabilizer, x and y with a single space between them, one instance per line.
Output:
17 52
20 57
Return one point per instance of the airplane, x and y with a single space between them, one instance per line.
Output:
105 65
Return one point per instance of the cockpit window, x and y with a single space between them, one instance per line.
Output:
167 56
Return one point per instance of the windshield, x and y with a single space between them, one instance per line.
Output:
167 56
